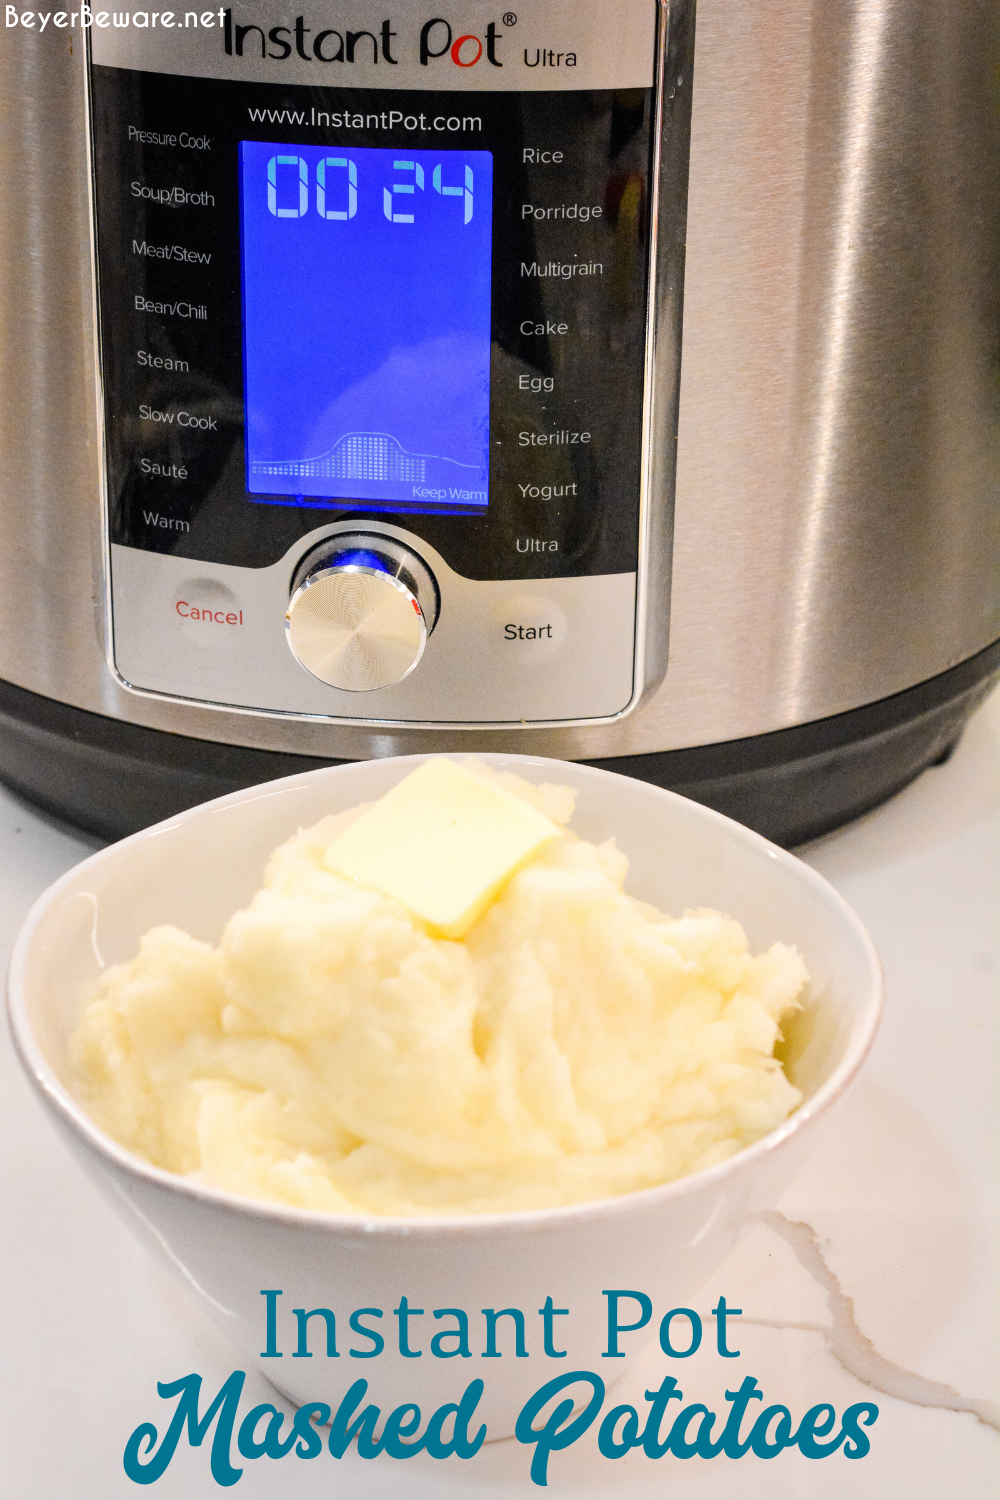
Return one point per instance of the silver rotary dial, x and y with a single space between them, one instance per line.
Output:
361 610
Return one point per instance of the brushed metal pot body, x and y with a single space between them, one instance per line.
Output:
837 526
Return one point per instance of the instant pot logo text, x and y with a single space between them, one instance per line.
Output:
438 43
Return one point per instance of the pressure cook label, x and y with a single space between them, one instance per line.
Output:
461 45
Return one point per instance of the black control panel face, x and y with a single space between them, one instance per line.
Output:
328 304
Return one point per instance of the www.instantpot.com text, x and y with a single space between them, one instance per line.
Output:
87 17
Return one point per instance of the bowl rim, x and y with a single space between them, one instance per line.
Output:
71 1113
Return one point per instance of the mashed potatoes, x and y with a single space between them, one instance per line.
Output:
332 1054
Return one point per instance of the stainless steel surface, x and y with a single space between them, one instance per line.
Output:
393 555
359 622
577 664
356 628
566 655
612 51
836 531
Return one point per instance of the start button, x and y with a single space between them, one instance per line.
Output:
527 628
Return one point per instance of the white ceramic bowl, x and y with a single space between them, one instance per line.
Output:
197 869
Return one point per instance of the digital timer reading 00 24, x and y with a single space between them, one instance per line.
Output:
366 316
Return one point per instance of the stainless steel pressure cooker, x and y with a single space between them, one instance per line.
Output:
571 380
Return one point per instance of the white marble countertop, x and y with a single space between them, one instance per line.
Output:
876 1280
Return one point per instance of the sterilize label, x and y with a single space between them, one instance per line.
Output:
366 299
460 45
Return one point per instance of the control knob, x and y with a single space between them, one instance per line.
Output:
361 609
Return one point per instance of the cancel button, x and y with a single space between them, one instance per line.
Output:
528 628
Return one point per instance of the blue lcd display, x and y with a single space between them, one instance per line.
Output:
366 317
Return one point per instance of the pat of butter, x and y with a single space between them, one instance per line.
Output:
443 842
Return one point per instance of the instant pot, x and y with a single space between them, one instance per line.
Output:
566 379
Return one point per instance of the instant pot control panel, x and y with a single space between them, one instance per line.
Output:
374 332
